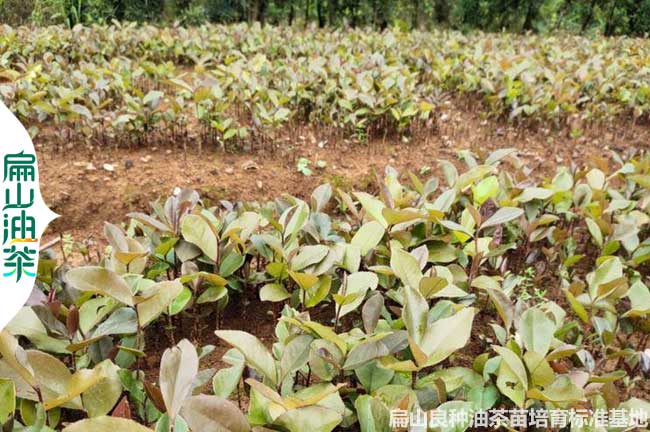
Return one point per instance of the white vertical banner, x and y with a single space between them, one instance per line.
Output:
24 216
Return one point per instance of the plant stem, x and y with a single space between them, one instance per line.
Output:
338 308
170 329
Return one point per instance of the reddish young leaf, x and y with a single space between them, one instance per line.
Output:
122 409
155 395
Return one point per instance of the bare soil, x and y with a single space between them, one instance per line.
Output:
75 184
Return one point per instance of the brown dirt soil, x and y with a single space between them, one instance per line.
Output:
85 198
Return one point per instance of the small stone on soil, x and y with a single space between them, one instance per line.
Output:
249 165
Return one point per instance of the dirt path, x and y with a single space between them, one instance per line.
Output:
76 185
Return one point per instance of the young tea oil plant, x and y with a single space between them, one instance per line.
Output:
237 85
407 299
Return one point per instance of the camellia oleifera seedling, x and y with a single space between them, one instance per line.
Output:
231 85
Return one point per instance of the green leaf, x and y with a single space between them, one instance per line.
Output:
373 414
639 406
101 281
537 331
281 114
639 296
197 229
499 154
444 201
368 236
294 219
274 292
318 292
231 263
485 189
372 376
577 307
226 380
415 314
483 398
256 354
373 207
157 299
323 332
304 280
512 379
81 110
312 418
106 424
324 359
211 278
26 323
152 99
115 237
16 358
609 270
595 231
94 311
147 220
503 215
229 134
212 294
181 301
456 228
540 371
365 352
164 424
295 355
406 267
34 416
7 400
321 196
395 217
307 256
534 193
57 385
453 378
80 382
212 413
357 285
503 305
121 322
351 257
474 174
446 336
100 399
561 390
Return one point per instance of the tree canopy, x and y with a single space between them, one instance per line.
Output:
608 17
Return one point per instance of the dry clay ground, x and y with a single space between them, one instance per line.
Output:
76 185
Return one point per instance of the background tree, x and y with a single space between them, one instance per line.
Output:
608 17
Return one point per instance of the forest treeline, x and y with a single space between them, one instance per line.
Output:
608 17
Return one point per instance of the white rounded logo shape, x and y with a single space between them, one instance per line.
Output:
23 216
